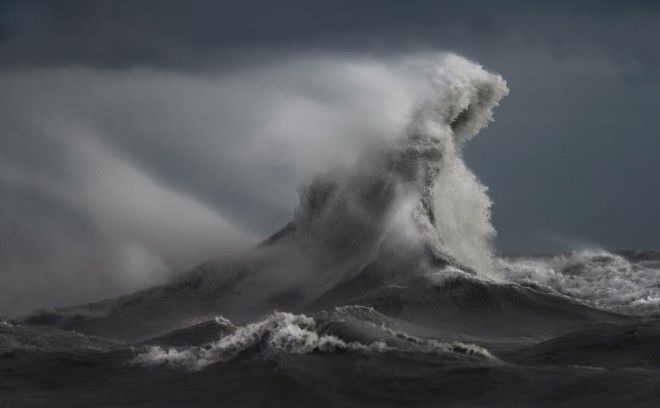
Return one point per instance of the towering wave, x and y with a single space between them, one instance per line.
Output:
407 207
411 202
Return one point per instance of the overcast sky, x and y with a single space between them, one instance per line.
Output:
138 138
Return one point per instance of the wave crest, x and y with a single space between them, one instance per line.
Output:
287 333
600 278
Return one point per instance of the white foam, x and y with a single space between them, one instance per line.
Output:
598 277
290 334
414 192
280 333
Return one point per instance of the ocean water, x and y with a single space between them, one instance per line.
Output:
458 342
384 290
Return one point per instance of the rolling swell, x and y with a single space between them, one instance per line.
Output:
469 306
350 356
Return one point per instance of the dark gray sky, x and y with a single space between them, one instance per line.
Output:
138 137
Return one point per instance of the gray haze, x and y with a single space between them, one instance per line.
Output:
139 138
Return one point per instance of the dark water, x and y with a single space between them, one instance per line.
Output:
461 341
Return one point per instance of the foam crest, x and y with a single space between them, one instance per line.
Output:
598 277
287 333
280 333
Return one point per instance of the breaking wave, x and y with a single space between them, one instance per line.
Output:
624 284
301 334
410 203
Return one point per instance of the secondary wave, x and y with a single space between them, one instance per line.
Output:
301 334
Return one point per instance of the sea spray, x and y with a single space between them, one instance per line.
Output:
409 201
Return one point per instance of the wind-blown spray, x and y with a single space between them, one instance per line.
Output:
410 200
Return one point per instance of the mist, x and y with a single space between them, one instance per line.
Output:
114 181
